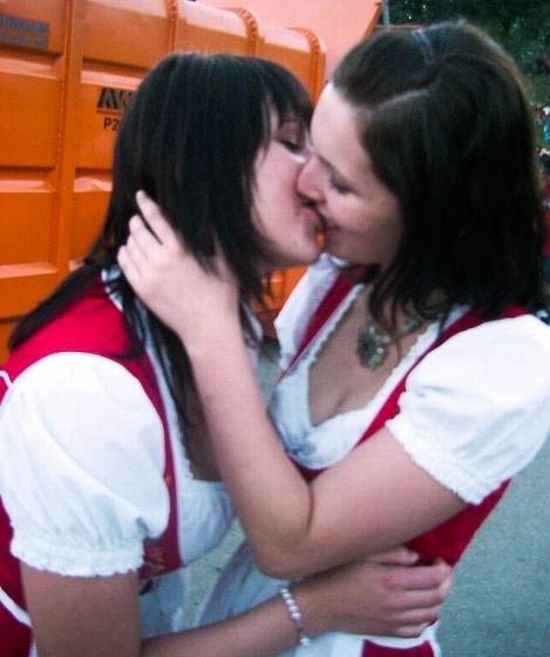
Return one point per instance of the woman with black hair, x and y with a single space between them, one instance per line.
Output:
107 481
416 375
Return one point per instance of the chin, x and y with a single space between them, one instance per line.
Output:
303 261
291 260
305 255
346 257
336 252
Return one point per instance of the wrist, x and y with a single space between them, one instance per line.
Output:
316 612
296 615
209 340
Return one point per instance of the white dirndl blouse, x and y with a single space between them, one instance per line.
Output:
475 411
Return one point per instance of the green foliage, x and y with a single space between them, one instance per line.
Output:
520 26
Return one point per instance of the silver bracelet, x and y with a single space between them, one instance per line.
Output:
295 615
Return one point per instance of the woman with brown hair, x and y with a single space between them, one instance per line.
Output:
416 375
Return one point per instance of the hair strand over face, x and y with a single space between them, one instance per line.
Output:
465 175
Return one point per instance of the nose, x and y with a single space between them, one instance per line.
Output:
309 179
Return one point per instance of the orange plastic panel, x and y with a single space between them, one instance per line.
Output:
281 284
202 28
33 25
26 215
33 38
91 198
24 285
29 113
298 50
339 23
67 71
129 32
6 326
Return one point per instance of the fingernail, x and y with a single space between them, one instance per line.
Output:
413 556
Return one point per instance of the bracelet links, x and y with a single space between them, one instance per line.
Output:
295 615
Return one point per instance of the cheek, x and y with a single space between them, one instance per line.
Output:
352 215
340 207
261 220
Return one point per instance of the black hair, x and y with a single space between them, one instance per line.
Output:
189 138
447 124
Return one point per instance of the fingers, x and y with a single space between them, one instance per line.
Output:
151 242
417 601
417 586
141 243
414 621
447 572
152 236
140 258
412 612
129 268
156 221
377 598
400 556
412 630
419 594
437 577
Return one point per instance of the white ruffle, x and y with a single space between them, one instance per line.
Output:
83 482
479 427
14 609
323 445
475 411
75 561
82 478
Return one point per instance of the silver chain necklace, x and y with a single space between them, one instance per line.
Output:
373 343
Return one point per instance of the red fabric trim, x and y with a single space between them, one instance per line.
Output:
10 577
374 650
448 540
338 291
15 638
94 325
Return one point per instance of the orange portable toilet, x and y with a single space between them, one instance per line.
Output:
67 70
339 24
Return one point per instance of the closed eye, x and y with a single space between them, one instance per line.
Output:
338 186
293 147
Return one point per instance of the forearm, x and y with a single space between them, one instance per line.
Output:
99 616
251 458
265 631
294 528
272 499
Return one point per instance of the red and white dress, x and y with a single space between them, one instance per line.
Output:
472 408
94 479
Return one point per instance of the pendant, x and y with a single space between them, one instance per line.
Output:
373 343
372 346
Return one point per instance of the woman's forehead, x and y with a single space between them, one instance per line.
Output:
335 134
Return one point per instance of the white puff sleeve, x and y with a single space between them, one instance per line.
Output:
81 466
476 410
